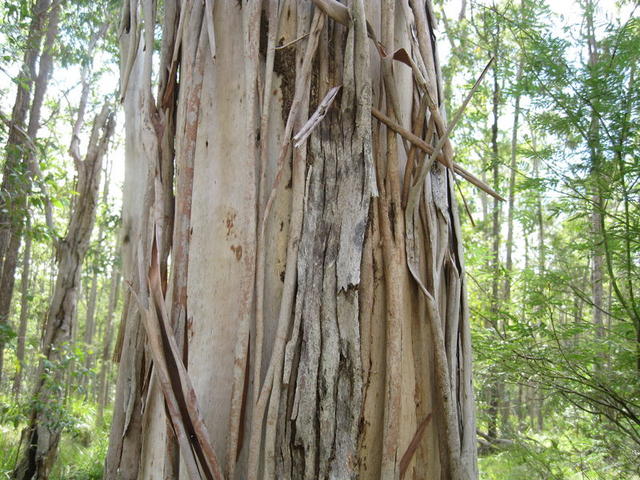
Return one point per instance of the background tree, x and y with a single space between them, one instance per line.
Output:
558 334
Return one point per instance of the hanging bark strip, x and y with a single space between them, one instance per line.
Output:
179 395
317 117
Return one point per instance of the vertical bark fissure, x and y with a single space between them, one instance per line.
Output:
347 385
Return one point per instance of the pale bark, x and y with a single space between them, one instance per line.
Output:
537 398
512 188
125 440
597 260
326 334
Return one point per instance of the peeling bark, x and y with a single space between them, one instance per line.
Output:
327 327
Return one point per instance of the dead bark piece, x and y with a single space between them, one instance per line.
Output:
317 116
291 231
413 446
425 147
210 30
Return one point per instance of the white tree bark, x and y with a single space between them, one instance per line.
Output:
322 321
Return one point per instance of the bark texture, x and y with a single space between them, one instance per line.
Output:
313 323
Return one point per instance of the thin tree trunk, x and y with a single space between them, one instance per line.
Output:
24 316
90 319
103 384
20 164
17 139
43 432
495 386
512 189
597 263
6 284
537 399
348 313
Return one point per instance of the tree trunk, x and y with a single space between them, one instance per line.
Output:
24 316
314 322
597 263
537 399
495 386
512 188
17 139
90 319
21 164
44 429
103 384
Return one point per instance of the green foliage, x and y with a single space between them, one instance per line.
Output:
563 391
82 450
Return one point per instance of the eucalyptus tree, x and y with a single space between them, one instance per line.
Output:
21 165
312 320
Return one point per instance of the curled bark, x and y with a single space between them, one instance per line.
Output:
44 430
328 331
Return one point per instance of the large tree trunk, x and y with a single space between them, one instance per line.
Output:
44 429
317 291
